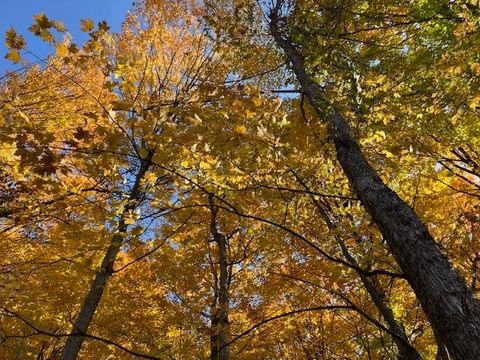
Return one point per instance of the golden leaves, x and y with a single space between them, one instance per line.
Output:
62 49
15 43
475 68
86 25
13 40
232 141
195 120
13 56
121 105
208 162
129 221
42 21
43 25
474 102
150 178
241 129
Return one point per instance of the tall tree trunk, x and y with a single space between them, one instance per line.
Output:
90 304
219 318
214 355
442 353
448 302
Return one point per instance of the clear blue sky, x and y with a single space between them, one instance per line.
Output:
19 14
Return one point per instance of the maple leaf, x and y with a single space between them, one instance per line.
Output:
169 175
14 56
87 25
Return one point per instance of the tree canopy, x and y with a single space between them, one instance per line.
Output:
237 179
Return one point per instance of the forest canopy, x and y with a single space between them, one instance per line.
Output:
244 179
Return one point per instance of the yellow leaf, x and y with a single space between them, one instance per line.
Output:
13 56
14 41
277 103
205 165
42 21
240 129
24 116
58 25
388 154
257 101
196 120
150 177
87 25
46 35
62 50
474 102
475 68
129 221
455 118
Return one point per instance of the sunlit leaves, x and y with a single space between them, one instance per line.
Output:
87 25
42 27
13 40
62 50
15 43
74 134
13 56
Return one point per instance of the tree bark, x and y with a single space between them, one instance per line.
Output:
448 302
219 349
442 353
90 304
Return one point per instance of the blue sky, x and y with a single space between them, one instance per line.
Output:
19 14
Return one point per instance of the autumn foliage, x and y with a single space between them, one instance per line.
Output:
214 180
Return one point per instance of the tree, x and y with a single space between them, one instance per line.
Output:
177 190
448 302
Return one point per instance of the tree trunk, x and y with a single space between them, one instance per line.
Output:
448 302
214 355
219 318
90 304
442 353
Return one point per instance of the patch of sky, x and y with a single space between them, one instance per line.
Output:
19 15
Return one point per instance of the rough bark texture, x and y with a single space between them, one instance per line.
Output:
448 302
219 349
442 353
90 304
